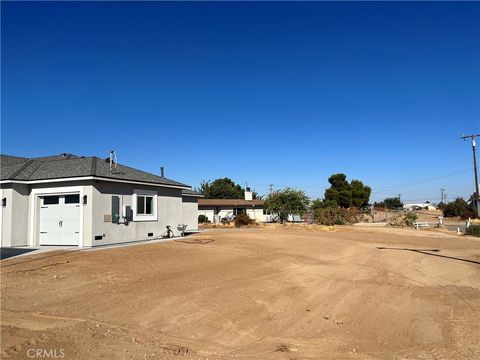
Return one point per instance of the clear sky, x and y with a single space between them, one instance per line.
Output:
269 93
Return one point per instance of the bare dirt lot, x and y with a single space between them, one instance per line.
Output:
267 293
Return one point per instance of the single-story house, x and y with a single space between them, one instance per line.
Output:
426 205
88 201
217 209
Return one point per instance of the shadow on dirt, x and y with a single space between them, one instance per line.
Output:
431 253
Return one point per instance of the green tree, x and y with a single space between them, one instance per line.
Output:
345 194
390 203
360 193
393 203
221 189
459 207
285 202
317 204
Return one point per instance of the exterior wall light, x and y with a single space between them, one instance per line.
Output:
84 200
4 202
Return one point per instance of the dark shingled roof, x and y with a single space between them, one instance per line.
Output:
191 193
68 165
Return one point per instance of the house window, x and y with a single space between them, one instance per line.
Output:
144 205
51 200
72 199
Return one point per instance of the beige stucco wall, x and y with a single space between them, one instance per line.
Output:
169 212
209 211
256 214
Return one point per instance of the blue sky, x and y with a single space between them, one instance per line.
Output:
269 93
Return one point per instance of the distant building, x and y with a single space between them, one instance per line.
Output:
426 205
217 209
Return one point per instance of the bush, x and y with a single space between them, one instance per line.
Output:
441 205
460 208
409 218
243 220
473 230
336 216
202 219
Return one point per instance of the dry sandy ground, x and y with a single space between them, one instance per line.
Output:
251 294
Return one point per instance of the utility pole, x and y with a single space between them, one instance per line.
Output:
399 197
270 187
473 141
442 194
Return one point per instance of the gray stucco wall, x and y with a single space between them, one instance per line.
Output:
169 212
172 210
190 212
15 215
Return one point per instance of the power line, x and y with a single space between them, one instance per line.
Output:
416 182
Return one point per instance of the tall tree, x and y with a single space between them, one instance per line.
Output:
390 203
344 194
360 193
286 202
221 189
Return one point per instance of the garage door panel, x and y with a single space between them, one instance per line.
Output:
59 222
50 238
49 225
70 237
70 225
70 212
50 212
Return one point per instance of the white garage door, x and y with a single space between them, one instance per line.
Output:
60 219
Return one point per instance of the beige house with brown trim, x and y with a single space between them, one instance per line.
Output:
217 209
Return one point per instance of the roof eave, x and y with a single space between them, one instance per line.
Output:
100 178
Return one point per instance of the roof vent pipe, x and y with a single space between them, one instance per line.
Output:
113 161
162 172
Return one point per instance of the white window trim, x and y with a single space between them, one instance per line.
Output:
151 217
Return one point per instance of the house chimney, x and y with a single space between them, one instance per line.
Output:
162 173
248 194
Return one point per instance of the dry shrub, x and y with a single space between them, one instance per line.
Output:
243 220
288 227
337 216
216 226
407 219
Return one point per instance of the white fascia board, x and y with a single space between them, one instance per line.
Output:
90 178
189 195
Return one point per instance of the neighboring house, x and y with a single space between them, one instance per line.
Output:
217 209
87 201
424 205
